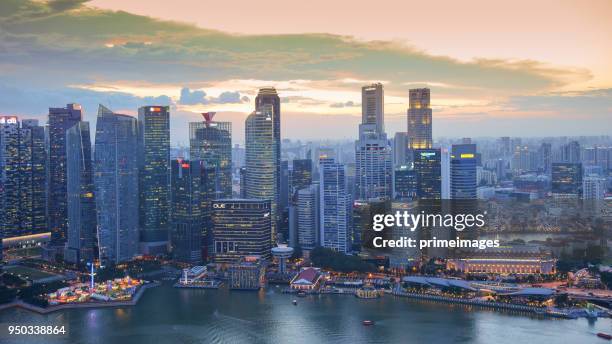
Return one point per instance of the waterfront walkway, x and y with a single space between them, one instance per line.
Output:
481 303
49 309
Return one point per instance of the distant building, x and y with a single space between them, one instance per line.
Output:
187 218
400 149
301 174
463 171
594 187
308 217
211 142
508 260
405 183
60 120
241 227
373 164
154 175
335 206
419 119
567 180
80 191
373 106
427 167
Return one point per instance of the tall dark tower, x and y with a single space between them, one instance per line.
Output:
60 120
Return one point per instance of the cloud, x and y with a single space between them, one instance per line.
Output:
342 105
194 97
69 42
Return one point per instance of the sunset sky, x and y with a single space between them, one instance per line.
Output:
523 68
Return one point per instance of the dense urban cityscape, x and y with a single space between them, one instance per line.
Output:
279 172
300 214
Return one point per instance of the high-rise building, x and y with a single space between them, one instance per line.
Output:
308 217
373 106
363 213
571 152
373 164
154 178
81 238
427 167
211 142
33 179
186 211
400 149
60 120
10 202
405 183
594 187
566 180
241 227
335 206
463 171
301 175
445 173
419 119
268 101
545 157
262 180
116 186
22 177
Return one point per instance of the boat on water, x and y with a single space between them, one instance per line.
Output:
295 302
368 323
604 336
301 293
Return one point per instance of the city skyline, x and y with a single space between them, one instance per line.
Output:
195 68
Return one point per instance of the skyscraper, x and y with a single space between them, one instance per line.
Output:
373 164
419 119
400 147
116 185
22 177
241 227
335 206
262 166
211 143
308 217
373 106
301 175
571 152
154 178
33 159
9 176
405 183
60 120
81 201
268 97
463 172
427 167
186 212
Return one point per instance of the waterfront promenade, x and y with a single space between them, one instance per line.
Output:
99 304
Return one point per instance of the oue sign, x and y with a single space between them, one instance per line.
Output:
218 205
8 120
